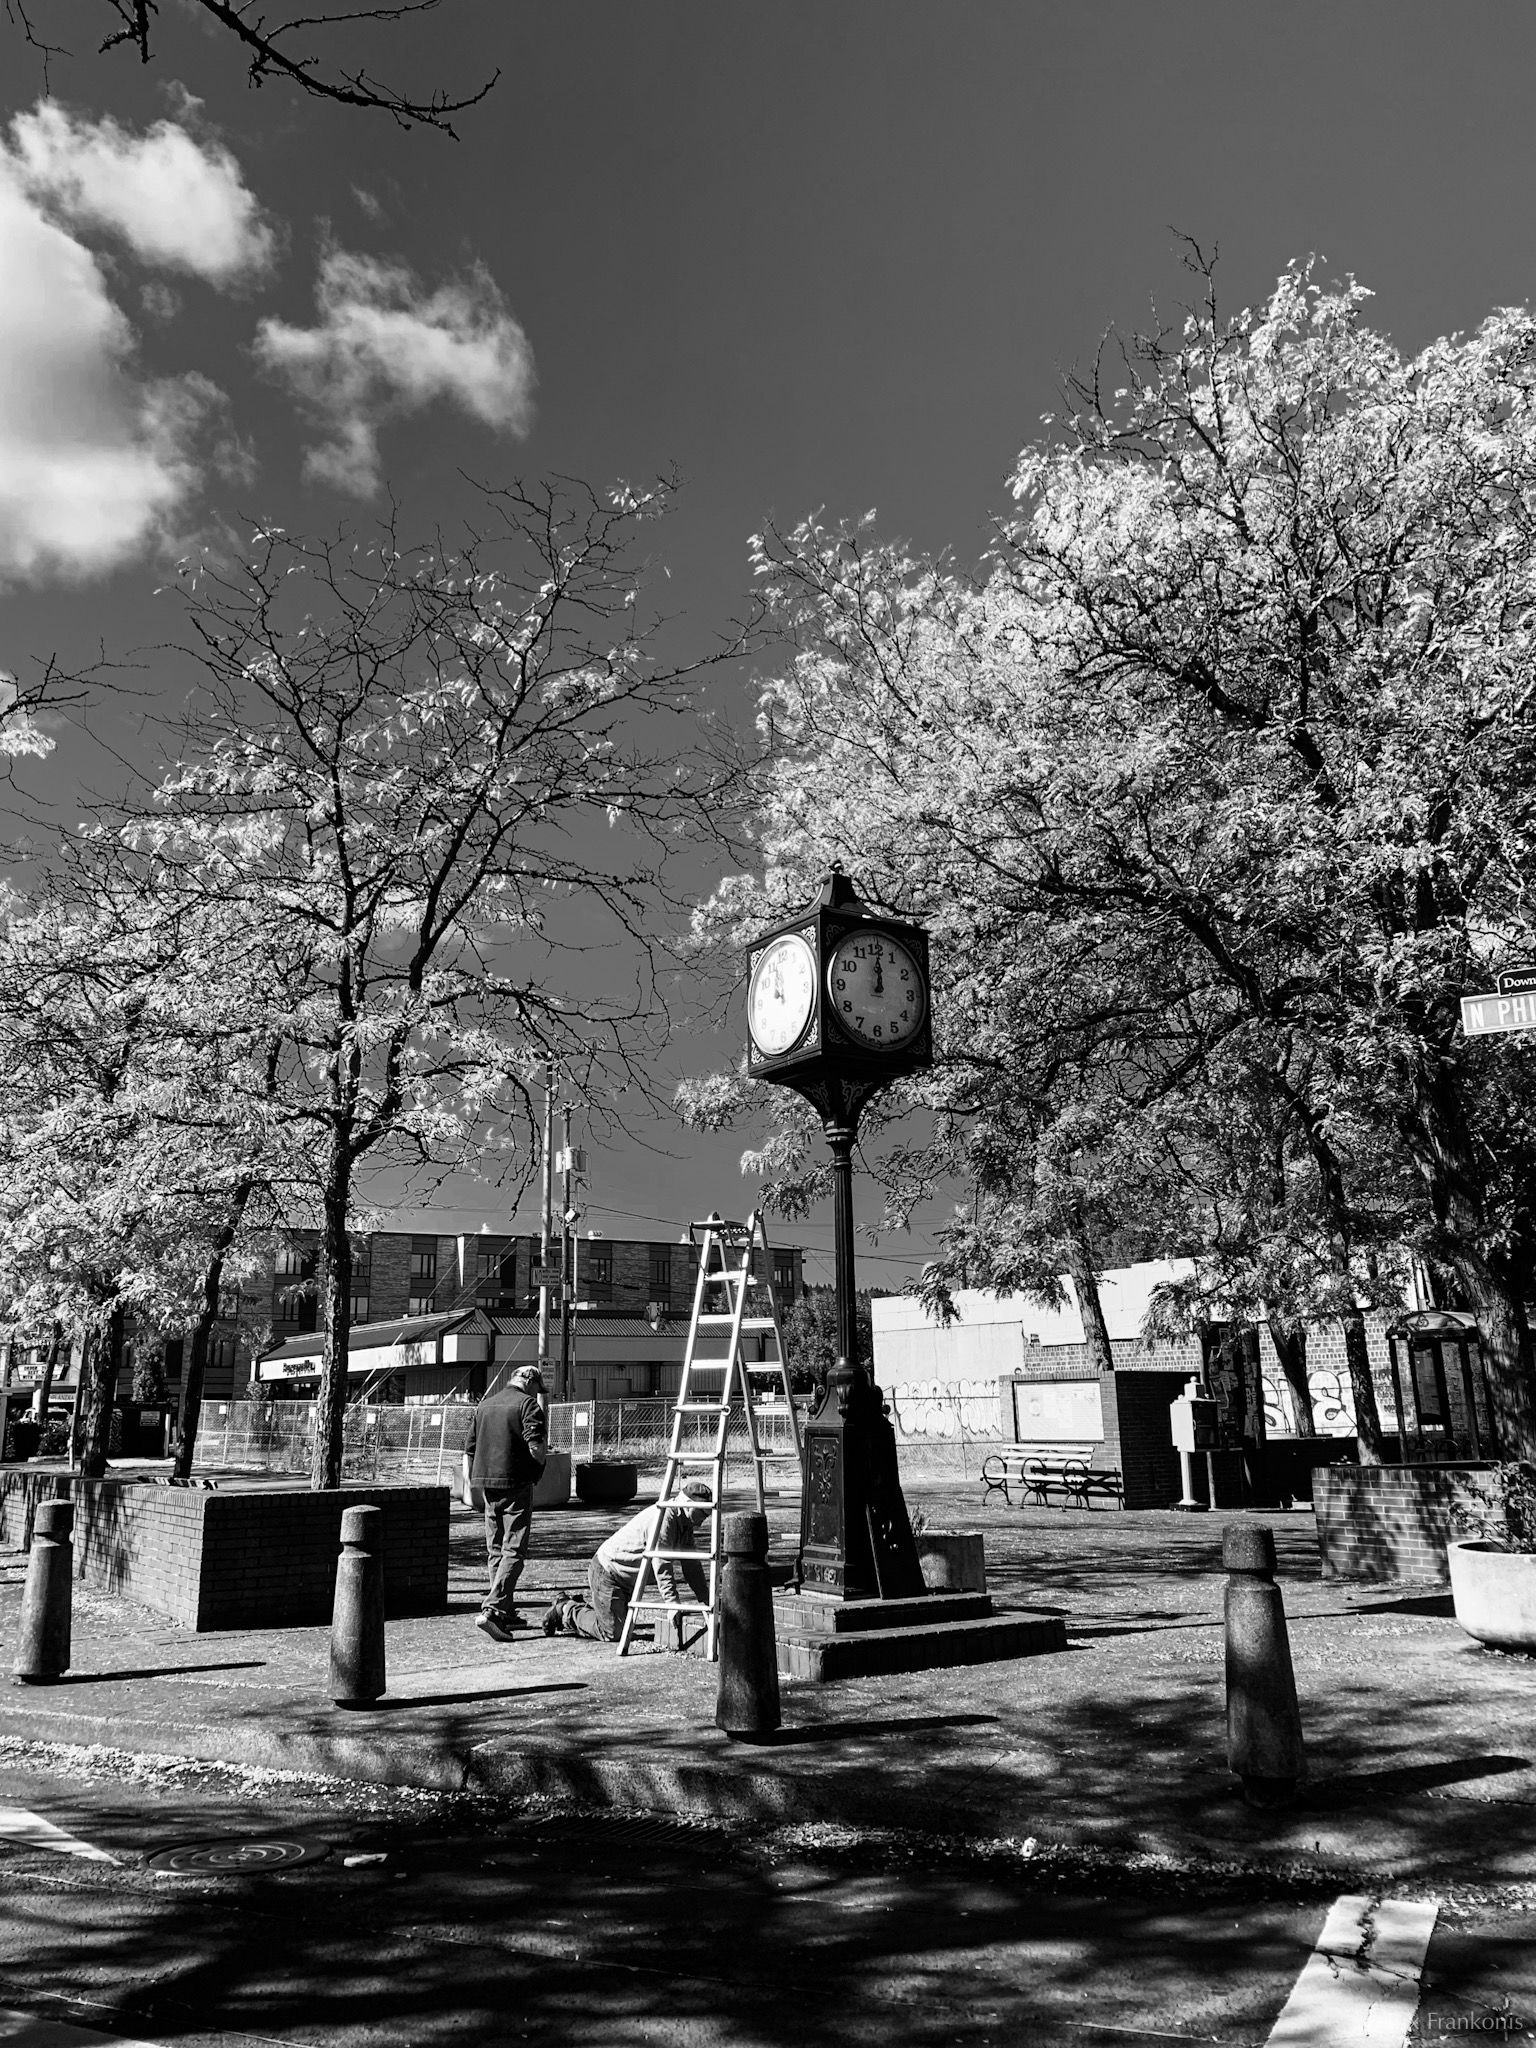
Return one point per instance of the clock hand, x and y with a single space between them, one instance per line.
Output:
879 980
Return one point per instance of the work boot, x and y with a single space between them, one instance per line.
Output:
553 1623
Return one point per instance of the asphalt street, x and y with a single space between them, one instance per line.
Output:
435 1917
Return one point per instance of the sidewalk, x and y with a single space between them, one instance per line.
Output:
1420 1742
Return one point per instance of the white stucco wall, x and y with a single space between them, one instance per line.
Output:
991 1332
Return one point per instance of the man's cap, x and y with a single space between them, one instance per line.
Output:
700 1489
528 1376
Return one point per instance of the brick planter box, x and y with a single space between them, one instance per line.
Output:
1382 1522
259 1557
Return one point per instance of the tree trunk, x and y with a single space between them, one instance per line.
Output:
331 1401
1495 1296
1504 1338
1085 1284
1290 1341
1362 1388
190 1413
99 1371
44 1392
189 1416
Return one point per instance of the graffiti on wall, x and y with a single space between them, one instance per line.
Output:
1333 1408
945 1408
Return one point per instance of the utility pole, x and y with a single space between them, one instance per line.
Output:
567 1257
544 1217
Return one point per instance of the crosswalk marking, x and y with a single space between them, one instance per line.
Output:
1360 1987
33 1832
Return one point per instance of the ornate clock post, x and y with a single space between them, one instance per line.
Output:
838 1007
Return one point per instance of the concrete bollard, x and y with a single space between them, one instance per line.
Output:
357 1619
747 1706
42 1640
1264 1745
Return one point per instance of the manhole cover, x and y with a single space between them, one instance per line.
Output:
239 1855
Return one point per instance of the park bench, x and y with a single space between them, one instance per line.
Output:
1046 1479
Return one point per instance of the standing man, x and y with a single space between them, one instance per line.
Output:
508 1444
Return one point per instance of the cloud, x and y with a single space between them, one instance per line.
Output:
384 346
94 460
178 203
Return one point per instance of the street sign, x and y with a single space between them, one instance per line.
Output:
1515 981
1481 1016
546 1276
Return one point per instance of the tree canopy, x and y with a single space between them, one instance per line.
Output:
1215 788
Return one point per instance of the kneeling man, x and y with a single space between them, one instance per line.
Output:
612 1574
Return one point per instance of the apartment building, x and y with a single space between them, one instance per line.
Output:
636 1296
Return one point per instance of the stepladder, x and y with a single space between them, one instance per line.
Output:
732 1401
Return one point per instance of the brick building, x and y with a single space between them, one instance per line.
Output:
637 1285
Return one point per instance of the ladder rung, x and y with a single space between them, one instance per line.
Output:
679 1556
669 1607
697 1408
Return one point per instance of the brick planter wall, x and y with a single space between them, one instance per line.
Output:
254 1558
1389 1521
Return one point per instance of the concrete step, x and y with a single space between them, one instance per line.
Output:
811 1614
876 1653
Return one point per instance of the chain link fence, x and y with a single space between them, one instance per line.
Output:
390 1442
640 1431
377 1442
426 1443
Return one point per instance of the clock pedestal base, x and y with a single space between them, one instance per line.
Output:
855 1535
823 1639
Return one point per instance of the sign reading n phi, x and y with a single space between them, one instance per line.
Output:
1483 1015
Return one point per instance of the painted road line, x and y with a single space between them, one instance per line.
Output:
1360 1988
26 2030
33 1832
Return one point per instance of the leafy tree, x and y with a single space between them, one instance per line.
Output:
1216 793
811 1342
129 1164
401 768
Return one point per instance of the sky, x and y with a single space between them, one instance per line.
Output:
813 257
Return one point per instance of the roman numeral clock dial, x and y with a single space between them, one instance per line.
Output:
877 990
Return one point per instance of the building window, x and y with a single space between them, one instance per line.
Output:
599 1278
784 1276
423 1281
296 1306
495 1273
661 1277
229 1304
362 1278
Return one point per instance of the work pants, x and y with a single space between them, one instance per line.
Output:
508 1522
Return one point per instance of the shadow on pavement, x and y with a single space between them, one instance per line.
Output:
157 1671
1409 1778
460 1699
508 1932
857 1731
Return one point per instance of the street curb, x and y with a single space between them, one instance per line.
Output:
727 1787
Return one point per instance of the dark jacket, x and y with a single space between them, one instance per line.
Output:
501 1432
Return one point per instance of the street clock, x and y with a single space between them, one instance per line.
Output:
838 1006
838 1002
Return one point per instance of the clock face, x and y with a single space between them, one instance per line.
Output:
781 995
876 987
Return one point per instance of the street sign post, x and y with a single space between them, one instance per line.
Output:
1482 1016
